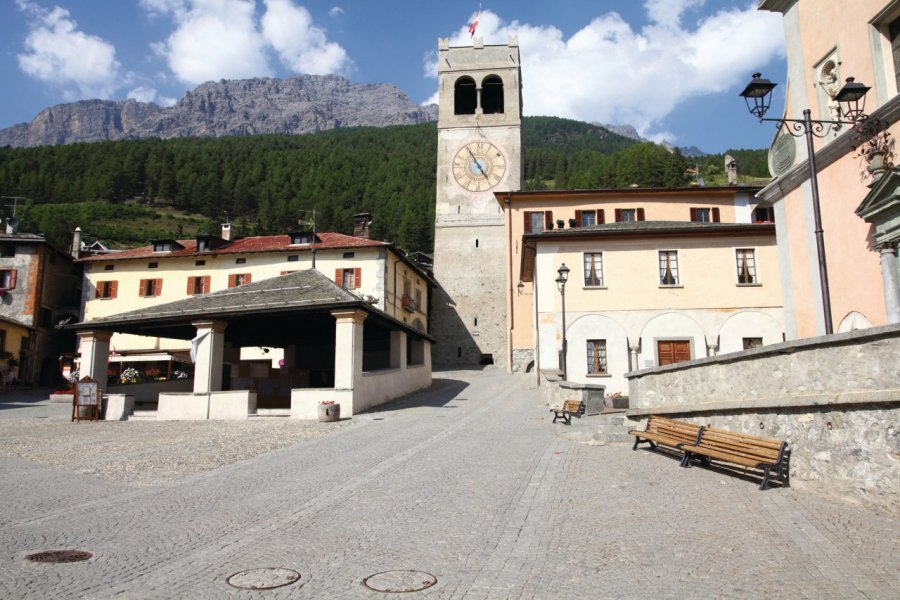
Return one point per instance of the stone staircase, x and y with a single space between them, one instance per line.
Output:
270 413
142 415
599 429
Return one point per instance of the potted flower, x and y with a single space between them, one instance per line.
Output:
875 145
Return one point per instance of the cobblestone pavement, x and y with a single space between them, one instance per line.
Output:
467 482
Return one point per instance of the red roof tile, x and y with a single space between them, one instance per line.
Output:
263 243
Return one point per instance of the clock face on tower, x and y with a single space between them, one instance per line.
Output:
478 166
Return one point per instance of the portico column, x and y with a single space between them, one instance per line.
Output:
634 356
209 350
348 347
890 274
94 347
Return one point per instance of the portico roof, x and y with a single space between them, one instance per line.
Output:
263 311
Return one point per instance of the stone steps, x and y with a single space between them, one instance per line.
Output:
268 413
142 415
597 429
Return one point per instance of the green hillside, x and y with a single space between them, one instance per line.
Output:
129 192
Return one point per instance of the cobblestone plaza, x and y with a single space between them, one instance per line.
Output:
468 483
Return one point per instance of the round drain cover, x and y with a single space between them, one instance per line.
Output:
263 579
396 582
59 556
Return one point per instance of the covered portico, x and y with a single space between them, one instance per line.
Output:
337 347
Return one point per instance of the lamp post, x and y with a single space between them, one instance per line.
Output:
311 222
851 98
561 284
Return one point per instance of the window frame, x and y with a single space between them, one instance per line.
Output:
150 288
751 267
107 289
8 277
599 275
676 273
597 354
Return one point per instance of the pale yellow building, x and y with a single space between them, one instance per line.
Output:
655 276
171 270
826 43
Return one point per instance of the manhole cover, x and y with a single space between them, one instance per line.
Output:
396 582
59 556
263 579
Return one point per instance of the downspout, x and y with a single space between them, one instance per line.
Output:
395 289
535 332
511 321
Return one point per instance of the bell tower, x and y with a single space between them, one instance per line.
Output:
479 153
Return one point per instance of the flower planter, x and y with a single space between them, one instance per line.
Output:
329 412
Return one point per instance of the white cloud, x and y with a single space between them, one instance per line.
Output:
228 39
147 94
609 72
56 52
335 11
301 46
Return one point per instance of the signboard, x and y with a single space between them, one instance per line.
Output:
86 401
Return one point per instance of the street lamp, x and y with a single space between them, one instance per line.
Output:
851 98
561 284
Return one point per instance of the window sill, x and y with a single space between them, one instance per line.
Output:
748 284
595 287
675 286
597 375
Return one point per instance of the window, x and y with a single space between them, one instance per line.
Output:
153 265
593 269
348 255
198 285
894 39
348 278
596 357
236 279
199 263
492 95
293 258
627 215
162 246
7 251
301 238
746 266
109 267
763 214
586 218
705 215
668 267
202 245
107 289
538 221
240 261
8 279
151 287
752 342
465 97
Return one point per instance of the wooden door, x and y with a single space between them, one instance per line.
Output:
673 351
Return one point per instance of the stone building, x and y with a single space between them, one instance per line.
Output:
479 152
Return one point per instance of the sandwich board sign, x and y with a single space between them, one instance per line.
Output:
86 401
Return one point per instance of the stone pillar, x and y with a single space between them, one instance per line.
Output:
348 347
633 351
890 274
712 349
398 349
209 350
94 347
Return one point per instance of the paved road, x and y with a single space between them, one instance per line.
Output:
467 482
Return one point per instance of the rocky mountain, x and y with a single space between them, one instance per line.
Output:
296 105
630 132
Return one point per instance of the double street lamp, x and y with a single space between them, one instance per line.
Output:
851 99
563 273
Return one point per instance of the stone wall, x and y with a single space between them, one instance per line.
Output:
835 399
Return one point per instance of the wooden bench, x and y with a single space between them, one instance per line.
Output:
568 409
766 454
667 432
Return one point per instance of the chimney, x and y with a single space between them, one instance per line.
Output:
362 224
226 231
76 243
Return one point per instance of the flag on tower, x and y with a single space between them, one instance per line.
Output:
474 24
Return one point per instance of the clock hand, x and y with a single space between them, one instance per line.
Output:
477 162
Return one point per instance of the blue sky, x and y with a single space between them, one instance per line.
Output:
671 68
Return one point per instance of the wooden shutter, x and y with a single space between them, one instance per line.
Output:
248 277
113 289
190 287
12 279
548 220
357 276
715 215
640 214
338 276
159 287
618 215
601 216
206 284
231 281
578 222
142 289
527 228
693 215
